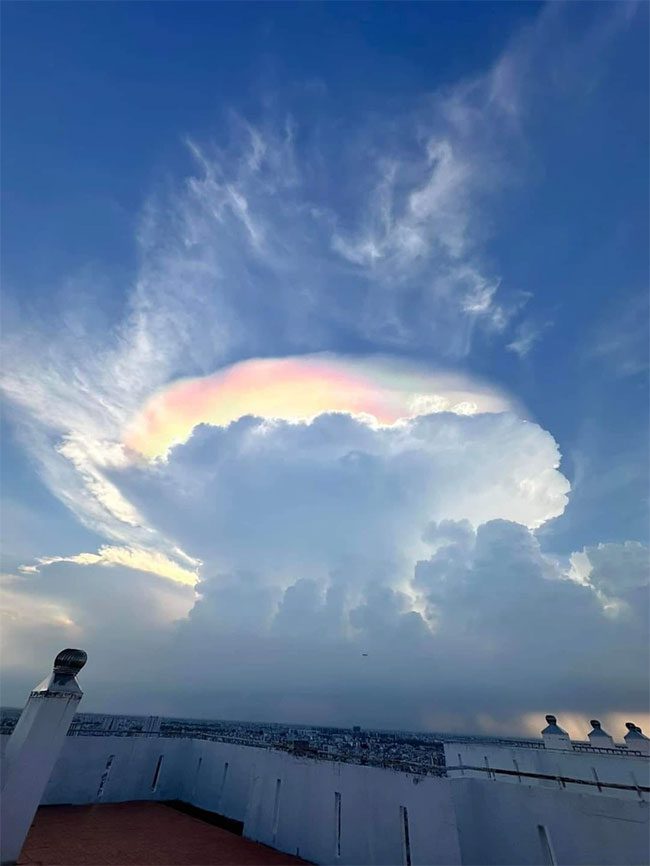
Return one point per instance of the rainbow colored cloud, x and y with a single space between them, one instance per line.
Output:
294 389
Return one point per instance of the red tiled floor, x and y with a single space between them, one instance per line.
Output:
137 834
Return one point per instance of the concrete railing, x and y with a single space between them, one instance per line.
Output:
562 781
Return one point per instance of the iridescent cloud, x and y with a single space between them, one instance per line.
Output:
382 391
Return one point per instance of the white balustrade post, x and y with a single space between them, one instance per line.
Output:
33 749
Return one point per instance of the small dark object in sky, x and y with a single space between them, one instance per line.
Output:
364 654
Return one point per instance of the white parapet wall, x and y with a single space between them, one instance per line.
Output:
328 812
118 769
522 824
339 813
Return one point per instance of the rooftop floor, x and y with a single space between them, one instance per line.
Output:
146 834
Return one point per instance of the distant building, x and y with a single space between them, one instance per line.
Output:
152 725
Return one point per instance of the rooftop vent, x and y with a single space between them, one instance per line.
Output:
553 735
70 661
636 739
598 737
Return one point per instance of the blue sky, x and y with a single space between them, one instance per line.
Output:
460 189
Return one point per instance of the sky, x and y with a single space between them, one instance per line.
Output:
325 360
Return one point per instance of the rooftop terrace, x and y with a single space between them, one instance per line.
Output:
146 834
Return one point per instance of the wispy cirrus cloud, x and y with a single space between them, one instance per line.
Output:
527 334
420 235
621 342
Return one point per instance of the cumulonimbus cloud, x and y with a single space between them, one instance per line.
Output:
276 497
242 259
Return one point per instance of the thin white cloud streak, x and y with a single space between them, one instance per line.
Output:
148 561
527 334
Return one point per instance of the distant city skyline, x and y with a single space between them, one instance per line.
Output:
325 360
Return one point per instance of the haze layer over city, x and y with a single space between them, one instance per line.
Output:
325 371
